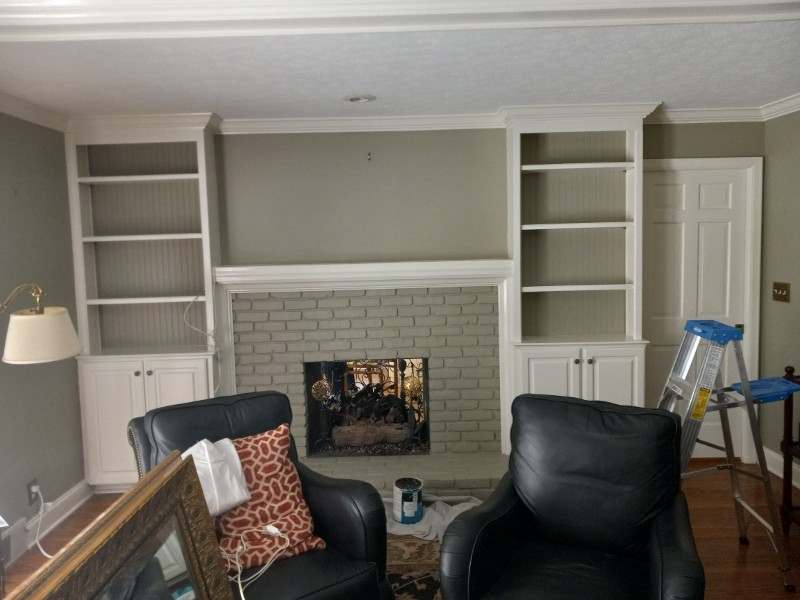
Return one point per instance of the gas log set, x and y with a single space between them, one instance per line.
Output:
367 407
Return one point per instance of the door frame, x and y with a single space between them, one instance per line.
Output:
753 168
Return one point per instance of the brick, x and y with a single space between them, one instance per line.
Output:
365 302
366 323
478 309
430 321
250 317
479 436
349 313
451 309
286 315
463 383
335 345
302 325
462 405
462 362
304 346
367 344
241 327
333 303
428 300
461 299
318 314
350 334
397 343
463 426
270 348
381 292
383 333
477 415
463 340
382 312
319 335
252 359
318 294
301 304
254 337
399 301
270 326
349 293
335 324
287 336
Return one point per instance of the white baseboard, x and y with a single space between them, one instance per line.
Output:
22 534
775 466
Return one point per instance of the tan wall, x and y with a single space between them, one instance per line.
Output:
362 197
40 429
706 140
780 322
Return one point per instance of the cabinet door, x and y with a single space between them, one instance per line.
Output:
613 374
175 380
549 370
112 393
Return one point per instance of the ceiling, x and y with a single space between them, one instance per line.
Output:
270 60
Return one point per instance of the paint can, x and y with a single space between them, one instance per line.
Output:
407 500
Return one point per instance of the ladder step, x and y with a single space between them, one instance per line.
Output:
770 389
680 386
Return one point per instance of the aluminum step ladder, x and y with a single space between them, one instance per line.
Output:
691 400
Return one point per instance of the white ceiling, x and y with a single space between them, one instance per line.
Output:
298 59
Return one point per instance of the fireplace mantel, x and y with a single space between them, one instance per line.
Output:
360 276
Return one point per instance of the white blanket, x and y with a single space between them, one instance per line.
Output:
437 513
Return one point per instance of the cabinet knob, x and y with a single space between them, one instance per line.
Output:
137 373
577 361
590 361
149 372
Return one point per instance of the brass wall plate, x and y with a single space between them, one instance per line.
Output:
780 291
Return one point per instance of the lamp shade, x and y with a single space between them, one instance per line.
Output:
38 338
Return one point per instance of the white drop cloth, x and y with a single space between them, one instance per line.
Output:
437 513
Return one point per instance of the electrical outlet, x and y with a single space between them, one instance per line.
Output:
33 492
780 291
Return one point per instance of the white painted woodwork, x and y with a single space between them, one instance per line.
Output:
594 372
114 391
576 239
143 215
702 261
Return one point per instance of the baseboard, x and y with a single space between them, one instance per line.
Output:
22 534
775 466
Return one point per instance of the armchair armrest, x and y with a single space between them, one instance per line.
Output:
348 514
475 546
675 568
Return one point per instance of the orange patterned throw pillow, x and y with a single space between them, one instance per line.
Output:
276 498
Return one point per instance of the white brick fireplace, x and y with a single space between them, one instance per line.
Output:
276 318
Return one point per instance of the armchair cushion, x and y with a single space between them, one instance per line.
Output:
276 498
579 495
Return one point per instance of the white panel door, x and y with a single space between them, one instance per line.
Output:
553 370
112 394
171 381
699 263
613 374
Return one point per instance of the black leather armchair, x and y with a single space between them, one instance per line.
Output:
590 508
348 514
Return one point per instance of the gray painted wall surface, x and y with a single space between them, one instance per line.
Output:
40 429
780 322
362 197
704 140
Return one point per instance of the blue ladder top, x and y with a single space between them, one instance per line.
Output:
713 331
770 389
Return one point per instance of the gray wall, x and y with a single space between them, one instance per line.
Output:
362 197
706 140
780 322
40 431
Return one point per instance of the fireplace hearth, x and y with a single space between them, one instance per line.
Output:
367 407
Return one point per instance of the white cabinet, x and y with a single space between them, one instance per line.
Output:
113 391
593 372
575 212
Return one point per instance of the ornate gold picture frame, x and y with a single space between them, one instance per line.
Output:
159 534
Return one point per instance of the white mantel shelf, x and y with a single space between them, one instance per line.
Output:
363 275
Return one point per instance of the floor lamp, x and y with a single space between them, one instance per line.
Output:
36 335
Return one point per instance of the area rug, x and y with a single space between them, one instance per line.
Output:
413 567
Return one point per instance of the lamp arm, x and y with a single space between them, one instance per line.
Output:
34 290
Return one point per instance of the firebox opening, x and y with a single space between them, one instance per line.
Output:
367 407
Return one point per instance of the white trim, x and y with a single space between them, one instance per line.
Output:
362 275
705 115
56 512
753 167
99 19
775 466
350 124
33 113
359 276
782 107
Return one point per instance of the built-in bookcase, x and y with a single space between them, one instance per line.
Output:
144 241
575 212
143 213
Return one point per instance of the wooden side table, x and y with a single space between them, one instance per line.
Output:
791 450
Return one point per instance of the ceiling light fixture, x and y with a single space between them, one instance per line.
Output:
360 98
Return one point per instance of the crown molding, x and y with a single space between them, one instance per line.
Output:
357 124
208 121
100 19
782 107
33 113
677 116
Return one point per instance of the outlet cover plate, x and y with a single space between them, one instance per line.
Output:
780 291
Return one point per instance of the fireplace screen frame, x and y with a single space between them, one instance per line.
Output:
360 399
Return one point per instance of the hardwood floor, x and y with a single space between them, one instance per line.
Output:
733 571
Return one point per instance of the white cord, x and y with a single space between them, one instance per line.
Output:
208 334
242 584
39 524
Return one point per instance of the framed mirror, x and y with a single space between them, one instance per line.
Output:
156 542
